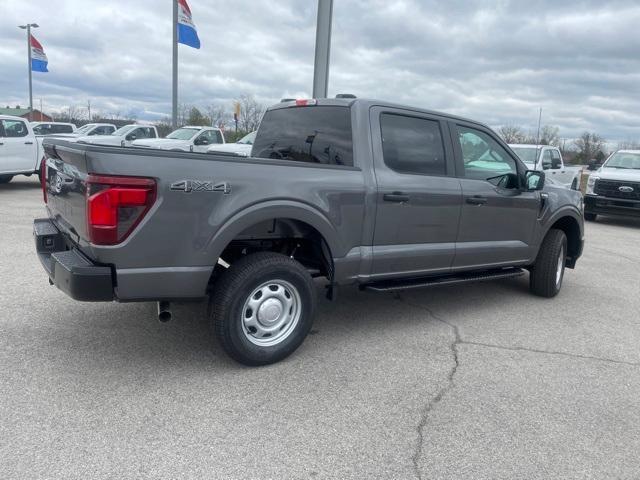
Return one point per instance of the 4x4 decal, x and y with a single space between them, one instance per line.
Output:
189 186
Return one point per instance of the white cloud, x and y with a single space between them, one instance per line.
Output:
497 62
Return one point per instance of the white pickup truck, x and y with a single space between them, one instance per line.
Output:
90 129
548 159
185 139
20 151
123 137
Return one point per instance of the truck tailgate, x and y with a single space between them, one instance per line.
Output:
66 174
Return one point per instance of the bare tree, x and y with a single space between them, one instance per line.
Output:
216 114
550 135
251 113
589 145
511 133
629 145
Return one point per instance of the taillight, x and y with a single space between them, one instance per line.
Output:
43 178
116 205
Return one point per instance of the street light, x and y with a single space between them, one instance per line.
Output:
28 28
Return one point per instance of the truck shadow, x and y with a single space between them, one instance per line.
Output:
119 336
20 184
632 222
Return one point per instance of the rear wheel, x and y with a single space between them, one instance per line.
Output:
591 217
263 308
547 273
5 178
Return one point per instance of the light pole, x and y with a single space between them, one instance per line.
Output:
323 48
174 75
28 28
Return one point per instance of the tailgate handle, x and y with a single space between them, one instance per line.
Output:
477 200
398 197
28 143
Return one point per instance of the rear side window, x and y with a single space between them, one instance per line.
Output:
314 134
412 145
61 129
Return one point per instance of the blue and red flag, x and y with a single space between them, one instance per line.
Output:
187 33
38 57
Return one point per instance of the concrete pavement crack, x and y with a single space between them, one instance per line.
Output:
424 417
551 352
457 340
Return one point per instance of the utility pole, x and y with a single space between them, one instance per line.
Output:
41 119
28 27
89 108
323 49
174 107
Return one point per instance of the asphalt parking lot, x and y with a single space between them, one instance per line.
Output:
484 381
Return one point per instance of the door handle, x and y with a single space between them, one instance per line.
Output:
477 200
28 143
398 197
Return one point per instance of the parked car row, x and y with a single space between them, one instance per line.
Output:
21 142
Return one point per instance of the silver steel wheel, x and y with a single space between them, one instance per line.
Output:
560 267
271 313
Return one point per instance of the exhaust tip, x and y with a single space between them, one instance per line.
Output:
164 311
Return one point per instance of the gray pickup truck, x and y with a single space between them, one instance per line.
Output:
356 191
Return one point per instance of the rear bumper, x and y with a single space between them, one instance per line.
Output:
68 268
600 205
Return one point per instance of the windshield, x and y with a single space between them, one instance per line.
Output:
248 139
123 130
85 128
183 133
527 155
624 160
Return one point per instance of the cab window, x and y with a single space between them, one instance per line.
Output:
412 145
484 158
546 159
14 128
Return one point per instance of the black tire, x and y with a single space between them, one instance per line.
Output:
543 279
5 178
590 217
237 285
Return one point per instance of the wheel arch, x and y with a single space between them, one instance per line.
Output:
294 217
571 226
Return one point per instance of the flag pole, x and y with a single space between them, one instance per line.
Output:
30 73
174 107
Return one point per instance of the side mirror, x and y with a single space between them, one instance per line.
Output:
555 164
203 141
534 180
131 136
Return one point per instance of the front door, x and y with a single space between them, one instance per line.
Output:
498 218
418 198
18 150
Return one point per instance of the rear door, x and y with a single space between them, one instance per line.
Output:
19 149
498 219
418 197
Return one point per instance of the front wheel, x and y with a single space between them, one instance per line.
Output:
547 273
263 308
5 178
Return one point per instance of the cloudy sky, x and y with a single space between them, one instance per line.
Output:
495 61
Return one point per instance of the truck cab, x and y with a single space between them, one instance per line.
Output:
549 159
19 149
124 136
185 139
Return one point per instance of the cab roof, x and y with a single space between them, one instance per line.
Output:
368 103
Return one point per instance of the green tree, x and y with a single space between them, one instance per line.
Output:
197 118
